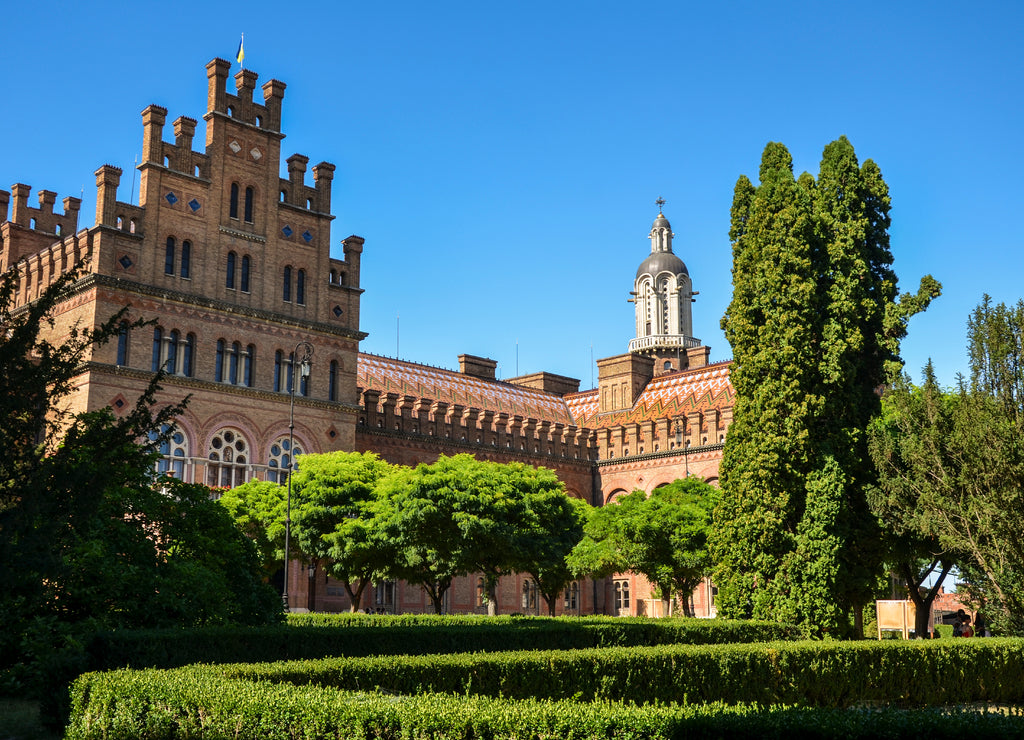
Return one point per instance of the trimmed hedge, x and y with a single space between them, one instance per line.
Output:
362 635
192 703
827 674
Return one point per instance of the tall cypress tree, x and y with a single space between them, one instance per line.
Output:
814 326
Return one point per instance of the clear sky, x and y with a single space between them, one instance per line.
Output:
502 159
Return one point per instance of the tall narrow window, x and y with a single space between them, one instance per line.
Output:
291 374
122 344
188 360
300 288
248 205
158 342
245 273
186 259
277 371
229 280
236 350
233 204
286 292
171 363
250 360
332 382
218 368
169 257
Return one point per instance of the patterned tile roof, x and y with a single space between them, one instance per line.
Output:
665 396
422 381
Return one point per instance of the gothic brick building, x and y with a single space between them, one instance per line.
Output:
233 264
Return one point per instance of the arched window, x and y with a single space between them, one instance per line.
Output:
59 229
169 257
621 589
233 202
171 363
228 457
229 279
286 292
188 360
300 288
158 341
572 595
250 361
248 205
218 368
291 375
332 382
280 457
122 344
131 226
246 262
173 449
186 259
277 371
236 350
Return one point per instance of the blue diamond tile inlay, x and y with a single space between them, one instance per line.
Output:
195 205
307 236
125 262
337 312
287 230
171 198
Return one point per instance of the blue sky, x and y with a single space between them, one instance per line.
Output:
502 159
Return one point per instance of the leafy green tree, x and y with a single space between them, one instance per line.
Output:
419 511
815 327
90 537
551 527
662 537
258 509
335 497
951 465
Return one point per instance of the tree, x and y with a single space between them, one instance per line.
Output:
815 326
951 465
662 537
551 528
335 503
419 514
258 509
90 537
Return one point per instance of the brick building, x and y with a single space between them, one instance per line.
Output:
233 263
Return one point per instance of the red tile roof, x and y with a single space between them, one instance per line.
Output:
436 384
664 397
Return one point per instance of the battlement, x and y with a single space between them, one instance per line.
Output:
38 270
294 191
468 426
241 106
42 218
178 156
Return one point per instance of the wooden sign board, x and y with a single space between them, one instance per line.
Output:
895 615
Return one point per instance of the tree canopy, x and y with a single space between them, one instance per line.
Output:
663 537
951 466
814 325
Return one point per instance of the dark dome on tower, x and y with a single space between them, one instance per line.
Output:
658 262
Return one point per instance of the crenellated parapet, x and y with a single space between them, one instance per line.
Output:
241 105
296 193
32 229
472 428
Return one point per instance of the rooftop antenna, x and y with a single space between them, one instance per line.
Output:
517 358
592 365
398 333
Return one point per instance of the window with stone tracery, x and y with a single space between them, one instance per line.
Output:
173 450
228 459
281 453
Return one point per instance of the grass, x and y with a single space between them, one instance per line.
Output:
19 720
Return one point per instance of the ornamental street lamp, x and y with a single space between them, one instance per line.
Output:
305 364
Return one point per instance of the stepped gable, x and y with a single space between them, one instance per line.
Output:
666 396
422 381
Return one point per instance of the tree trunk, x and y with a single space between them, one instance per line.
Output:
922 604
355 595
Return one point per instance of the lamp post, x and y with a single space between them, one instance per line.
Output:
680 420
305 364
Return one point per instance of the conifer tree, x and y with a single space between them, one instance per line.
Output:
814 326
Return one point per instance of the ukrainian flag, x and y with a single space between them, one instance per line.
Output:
240 56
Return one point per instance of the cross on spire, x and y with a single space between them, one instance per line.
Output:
659 202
